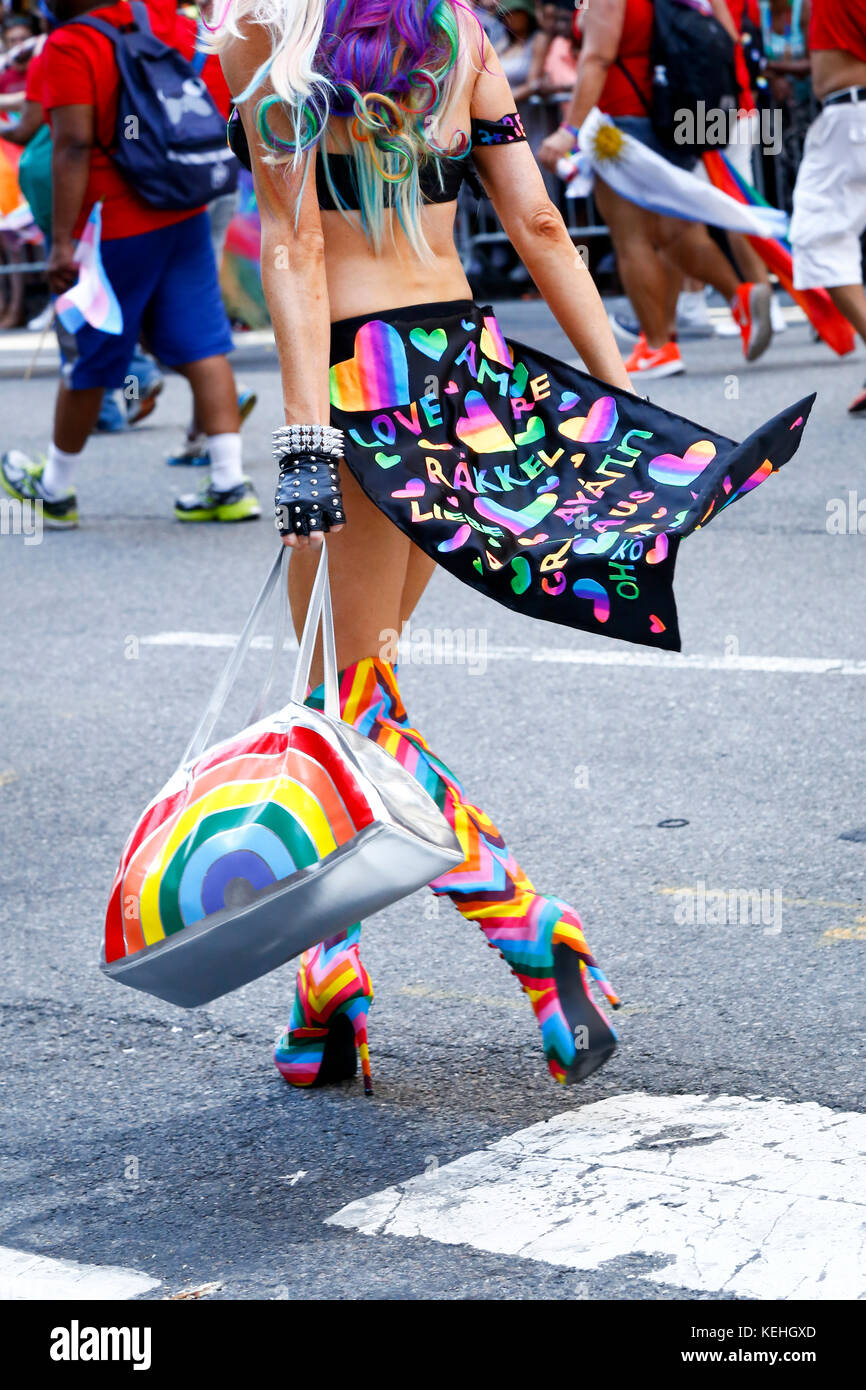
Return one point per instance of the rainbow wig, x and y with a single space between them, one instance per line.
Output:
392 69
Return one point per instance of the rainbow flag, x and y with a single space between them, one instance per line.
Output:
775 252
91 300
240 273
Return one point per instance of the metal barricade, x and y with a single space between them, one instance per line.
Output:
478 226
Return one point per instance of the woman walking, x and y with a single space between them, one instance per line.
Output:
557 493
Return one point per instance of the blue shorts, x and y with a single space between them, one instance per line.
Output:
167 286
641 128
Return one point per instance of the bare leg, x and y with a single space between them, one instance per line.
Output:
689 246
676 282
850 300
13 313
643 274
75 415
419 571
369 564
214 395
751 266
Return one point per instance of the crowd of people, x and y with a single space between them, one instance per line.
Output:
561 61
161 264
567 59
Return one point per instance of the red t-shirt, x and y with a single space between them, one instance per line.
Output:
33 90
619 97
78 68
839 24
741 10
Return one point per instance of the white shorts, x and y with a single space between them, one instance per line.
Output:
830 200
739 151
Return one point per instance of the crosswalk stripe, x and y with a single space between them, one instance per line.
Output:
24 1275
567 656
762 1199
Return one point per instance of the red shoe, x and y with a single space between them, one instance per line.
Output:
751 308
647 362
858 405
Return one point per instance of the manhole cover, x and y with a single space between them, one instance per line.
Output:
673 824
859 835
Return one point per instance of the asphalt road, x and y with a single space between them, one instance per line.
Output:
135 1134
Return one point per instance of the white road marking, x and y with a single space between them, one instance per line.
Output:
209 639
27 1276
572 656
26 342
763 1199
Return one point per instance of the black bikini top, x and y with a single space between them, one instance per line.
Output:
440 179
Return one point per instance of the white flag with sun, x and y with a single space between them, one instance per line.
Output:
643 177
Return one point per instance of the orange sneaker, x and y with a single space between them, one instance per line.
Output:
751 308
646 361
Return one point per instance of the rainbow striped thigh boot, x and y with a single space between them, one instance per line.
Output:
539 937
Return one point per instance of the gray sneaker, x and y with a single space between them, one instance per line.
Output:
22 479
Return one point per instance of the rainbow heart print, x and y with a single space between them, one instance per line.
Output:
547 490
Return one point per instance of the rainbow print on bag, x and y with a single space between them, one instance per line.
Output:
250 814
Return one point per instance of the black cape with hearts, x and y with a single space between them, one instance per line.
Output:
549 491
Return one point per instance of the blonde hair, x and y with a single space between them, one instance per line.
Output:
392 69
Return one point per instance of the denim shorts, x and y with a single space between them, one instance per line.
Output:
167 287
641 128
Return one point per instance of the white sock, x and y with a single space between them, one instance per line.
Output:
226 468
59 471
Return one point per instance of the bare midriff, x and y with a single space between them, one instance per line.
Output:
833 70
361 282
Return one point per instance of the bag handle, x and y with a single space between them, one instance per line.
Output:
318 611
319 608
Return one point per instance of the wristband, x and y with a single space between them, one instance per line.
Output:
302 439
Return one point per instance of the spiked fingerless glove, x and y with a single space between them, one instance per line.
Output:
308 495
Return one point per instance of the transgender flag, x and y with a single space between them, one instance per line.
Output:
91 300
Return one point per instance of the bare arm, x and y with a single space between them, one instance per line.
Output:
72 136
293 259
22 132
535 77
602 30
292 252
539 235
725 18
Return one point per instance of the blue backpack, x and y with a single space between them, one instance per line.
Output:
170 140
